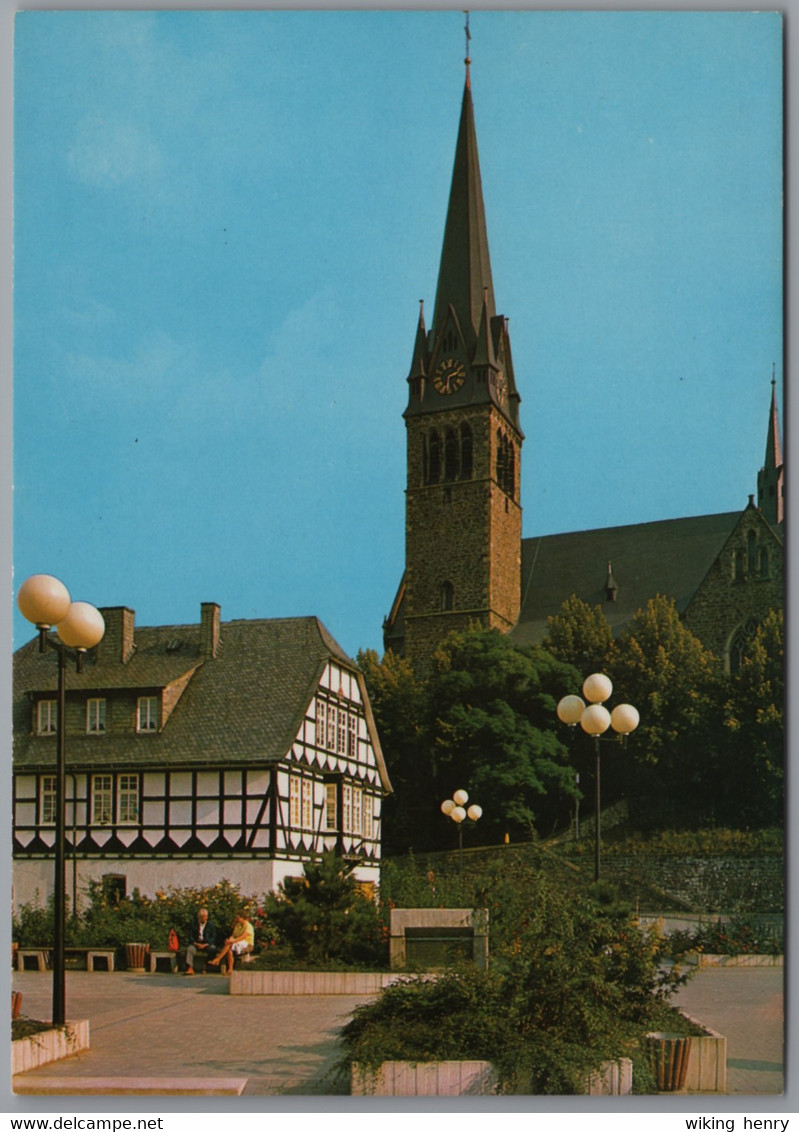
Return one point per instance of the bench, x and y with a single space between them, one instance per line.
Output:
170 957
38 954
84 957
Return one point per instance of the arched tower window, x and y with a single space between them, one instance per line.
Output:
435 457
451 454
738 566
425 460
500 459
447 597
511 468
466 452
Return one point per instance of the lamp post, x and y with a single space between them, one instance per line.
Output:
455 808
595 719
45 601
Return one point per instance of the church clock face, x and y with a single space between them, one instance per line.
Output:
449 376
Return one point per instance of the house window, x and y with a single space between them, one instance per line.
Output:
331 805
307 803
346 808
357 810
321 723
352 736
95 717
46 717
368 816
331 728
102 799
147 713
128 798
295 787
47 799
447 597
341 747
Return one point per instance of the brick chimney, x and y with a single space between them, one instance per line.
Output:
117 643
210 614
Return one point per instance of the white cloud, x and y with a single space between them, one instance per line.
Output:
107 152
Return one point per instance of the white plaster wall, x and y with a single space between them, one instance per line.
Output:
33 879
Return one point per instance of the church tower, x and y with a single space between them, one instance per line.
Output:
463 512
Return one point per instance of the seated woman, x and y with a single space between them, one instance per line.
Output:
240 941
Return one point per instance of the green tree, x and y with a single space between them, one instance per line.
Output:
400 706
673 680
494 732
323 916
579 634
752 783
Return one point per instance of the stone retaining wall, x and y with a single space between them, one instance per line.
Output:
738 885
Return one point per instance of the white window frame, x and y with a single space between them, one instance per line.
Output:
332 725
96 714
346 808
368 816
352 735
357 811
148 714
102 796
341 736
331 806
295 803
321 723
307 803
127 793
48 785
46 717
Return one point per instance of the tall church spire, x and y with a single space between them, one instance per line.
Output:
465 270
770 477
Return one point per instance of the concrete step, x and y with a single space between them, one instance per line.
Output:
129 1086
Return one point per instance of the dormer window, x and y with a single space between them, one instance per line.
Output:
95 717
46 717
148 713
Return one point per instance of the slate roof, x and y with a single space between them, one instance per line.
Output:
669 557
243 706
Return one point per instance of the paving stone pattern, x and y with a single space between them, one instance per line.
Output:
164 1026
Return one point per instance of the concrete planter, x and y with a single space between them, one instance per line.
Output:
707 1062
311 982
49 1045
703 959
424 1079
467 1079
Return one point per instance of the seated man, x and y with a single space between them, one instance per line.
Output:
203 941
240 941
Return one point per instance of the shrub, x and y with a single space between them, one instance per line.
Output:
574 982
323 919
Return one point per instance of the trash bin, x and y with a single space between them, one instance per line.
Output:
668 1056
136 956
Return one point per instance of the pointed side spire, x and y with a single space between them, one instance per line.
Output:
770 479
484 350
773 446
465 269
419 359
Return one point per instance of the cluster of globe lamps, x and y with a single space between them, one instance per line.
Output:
45 602
455 808
595 719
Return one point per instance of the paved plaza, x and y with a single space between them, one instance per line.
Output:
166 1026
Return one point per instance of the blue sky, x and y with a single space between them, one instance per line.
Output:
224 222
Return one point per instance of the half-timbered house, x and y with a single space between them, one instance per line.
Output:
233 750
